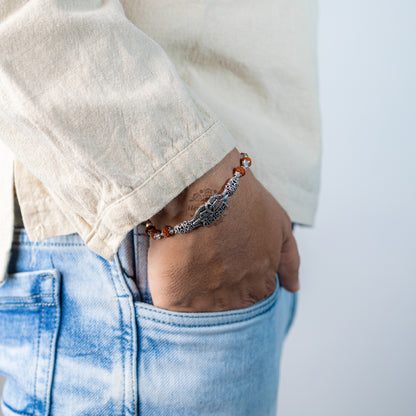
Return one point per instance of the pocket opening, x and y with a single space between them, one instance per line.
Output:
198 319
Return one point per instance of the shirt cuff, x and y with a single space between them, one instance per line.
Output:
121 216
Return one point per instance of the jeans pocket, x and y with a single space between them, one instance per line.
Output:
206 363
29 324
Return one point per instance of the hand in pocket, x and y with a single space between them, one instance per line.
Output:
231 264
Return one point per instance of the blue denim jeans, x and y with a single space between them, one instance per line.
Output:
79 336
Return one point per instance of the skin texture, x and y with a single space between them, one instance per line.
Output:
232 263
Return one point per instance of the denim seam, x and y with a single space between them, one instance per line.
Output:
132 368
37 356
270 306
205 317
45 244
117 271
122 337
50 369
27 297
37 362
51 365
264 305
40 276
133 348
27 305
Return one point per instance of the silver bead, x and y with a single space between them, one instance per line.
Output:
232 185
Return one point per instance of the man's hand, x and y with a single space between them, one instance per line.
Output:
232 263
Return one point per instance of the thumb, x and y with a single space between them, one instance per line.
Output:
288 269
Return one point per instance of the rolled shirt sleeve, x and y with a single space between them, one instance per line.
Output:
95 110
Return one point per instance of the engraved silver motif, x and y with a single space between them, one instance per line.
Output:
208 213
182 227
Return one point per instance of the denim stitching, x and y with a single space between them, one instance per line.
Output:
38 347
26 297
262 312
25 243
37 362
178 314
117 270
132 349
27 305
202 317
50 348
40 276
206 325
135 331
122 338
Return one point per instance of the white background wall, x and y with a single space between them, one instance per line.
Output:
352 351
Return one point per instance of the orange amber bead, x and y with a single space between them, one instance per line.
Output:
149 226
165 230
152 233
241 170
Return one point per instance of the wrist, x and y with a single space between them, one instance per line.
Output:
212 182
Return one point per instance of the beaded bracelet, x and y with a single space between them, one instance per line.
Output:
209 212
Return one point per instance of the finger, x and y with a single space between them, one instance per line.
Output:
289 265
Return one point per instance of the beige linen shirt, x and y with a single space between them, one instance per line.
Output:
109 109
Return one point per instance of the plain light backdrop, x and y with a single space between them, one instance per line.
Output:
352 350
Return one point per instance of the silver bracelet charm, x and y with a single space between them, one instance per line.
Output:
208 213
